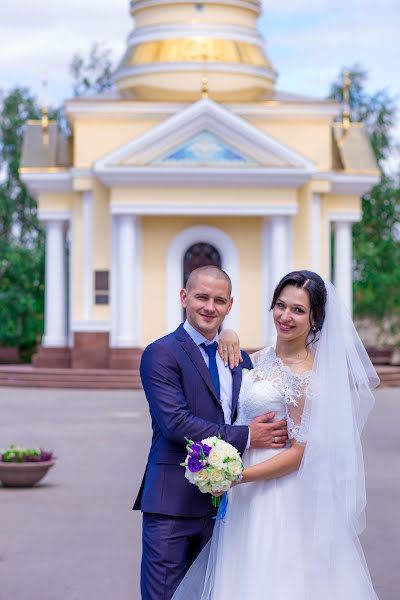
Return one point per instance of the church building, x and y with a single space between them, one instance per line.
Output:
195 157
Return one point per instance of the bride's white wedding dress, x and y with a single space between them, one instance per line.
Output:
260 550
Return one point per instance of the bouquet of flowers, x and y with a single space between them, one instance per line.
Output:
213 465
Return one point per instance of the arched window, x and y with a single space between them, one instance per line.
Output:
199 255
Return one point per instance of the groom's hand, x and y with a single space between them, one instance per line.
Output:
266 433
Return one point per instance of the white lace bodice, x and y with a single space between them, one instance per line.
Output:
272 386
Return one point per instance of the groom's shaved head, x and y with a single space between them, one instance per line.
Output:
210 271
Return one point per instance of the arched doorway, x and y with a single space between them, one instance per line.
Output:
229 256
199 255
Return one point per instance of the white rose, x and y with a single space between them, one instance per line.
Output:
231 452
189 476
217 476
216 458
205 488
201 477
210 441
221 487
235 468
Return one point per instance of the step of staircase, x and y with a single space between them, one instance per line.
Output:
106 379
389 375
112 379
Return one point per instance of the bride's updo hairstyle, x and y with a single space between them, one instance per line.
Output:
315 286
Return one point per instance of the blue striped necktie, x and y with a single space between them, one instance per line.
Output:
211 350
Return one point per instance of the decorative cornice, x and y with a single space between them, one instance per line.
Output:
47 181
344 217
249 210
171 31
202 177
270 110
191 67
144 4
54 215
350 184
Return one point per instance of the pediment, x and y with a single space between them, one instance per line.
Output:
205 135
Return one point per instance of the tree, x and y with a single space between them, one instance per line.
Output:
18 213
94 74
21 237
376 245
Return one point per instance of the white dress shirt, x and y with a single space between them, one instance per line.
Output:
224 372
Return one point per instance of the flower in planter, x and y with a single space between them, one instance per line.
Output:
18 454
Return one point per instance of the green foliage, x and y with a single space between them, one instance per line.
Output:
22 240
377 253
17 208
21 296
19 454
94 74
377 111
376 244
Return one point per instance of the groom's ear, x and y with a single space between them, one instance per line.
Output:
183 296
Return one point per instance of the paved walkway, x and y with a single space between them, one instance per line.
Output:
74 537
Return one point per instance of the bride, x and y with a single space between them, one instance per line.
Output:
292 523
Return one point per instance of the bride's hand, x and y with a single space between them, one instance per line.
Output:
229 348
217 494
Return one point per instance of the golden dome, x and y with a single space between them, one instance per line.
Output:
177 44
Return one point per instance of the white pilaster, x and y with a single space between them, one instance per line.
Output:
126 282
87 283
55 334
343 276
266 282
316 233
277 261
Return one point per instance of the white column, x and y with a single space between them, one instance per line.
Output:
276 262
55 334
316 233
126 287
343 275
87 272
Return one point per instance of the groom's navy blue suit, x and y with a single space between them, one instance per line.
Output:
177 519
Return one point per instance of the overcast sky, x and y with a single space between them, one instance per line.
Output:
308 41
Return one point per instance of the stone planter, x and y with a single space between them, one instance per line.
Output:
25 474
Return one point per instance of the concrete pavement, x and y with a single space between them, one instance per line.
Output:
74 537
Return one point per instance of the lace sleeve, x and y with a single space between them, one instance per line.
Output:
298 398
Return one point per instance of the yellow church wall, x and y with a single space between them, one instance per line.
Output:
52 202
302 234
95 137
76 262
186 13
101 242
199 196
312 139
157 235
331 204
343 204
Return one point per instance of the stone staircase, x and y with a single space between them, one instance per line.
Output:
35 377
112 379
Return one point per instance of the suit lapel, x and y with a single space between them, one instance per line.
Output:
236 383
195 356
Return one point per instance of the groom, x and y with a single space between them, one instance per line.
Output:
191 393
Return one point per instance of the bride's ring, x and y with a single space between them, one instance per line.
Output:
225 349
276 440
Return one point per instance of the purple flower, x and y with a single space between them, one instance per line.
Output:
206 449
194 464
199 450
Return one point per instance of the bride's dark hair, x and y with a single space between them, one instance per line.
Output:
314 284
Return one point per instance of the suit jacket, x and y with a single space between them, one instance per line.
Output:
183 403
